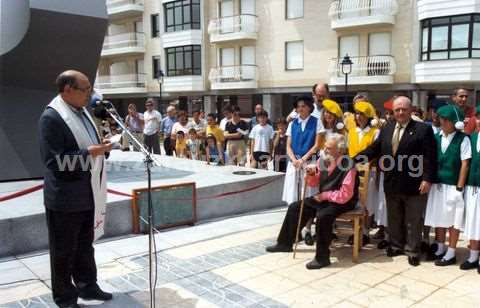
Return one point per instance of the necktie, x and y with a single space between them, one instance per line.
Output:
396 138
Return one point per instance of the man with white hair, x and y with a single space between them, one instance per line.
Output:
406 151
337 182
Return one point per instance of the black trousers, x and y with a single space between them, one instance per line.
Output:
152 143
70 237
325 212
405 221
167 145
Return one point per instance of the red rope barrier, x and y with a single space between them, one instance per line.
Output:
119 193
21 193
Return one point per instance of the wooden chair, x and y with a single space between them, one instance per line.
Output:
358 215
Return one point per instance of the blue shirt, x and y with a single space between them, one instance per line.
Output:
166 125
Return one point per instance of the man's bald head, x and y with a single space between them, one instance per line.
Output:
71 78
75 88
402 109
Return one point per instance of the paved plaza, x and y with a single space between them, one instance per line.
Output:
223 263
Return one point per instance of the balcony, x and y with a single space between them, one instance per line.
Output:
234 77
121 84
365 70
187 83
125 44
439 8
448 71
233 28
118 9
358 13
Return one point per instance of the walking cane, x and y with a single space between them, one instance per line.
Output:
300 217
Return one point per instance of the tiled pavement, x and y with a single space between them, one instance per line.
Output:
224 264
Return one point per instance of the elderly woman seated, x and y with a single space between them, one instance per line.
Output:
337 182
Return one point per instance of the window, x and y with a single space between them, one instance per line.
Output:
182 15
379 44
294 55
154 21
184 60
293 9
155 66
453 37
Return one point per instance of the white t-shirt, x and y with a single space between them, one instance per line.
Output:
152 122
179 127
303 123
465 147
262 134
201 126
223 123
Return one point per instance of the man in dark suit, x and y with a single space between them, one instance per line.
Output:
68 194
407 155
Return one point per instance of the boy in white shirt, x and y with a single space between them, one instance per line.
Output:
261 145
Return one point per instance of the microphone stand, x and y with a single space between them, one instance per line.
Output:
149 161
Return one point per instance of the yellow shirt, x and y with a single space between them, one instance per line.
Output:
355 145
180 147
217 132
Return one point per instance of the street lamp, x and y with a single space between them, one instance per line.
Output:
159 77
346 69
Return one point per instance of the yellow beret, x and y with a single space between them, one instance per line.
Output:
366 108
332 107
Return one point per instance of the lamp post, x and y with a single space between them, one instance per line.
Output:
160 76
346 69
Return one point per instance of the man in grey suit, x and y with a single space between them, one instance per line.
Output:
67 133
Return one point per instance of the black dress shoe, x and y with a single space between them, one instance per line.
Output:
393 252
414 261
309 239
279 248
382 244
468 265
314 264
443 262
94 292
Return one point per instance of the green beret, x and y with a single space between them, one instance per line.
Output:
451 113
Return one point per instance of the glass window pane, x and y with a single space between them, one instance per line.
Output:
425 39
424 56
439 38
178 15
440 21
294 54
459 19
188 60
179 60
171 61
439 55
459 54
186 14
170 19
476 35
476 53
294 8
196 13
460 36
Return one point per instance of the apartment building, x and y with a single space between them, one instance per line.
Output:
243 52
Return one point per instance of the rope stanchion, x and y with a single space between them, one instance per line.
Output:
119 193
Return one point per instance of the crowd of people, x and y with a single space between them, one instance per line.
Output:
232 141
430 179
424 173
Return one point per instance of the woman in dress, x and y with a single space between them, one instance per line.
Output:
303 140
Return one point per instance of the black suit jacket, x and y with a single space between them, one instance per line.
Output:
415 160
65 189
